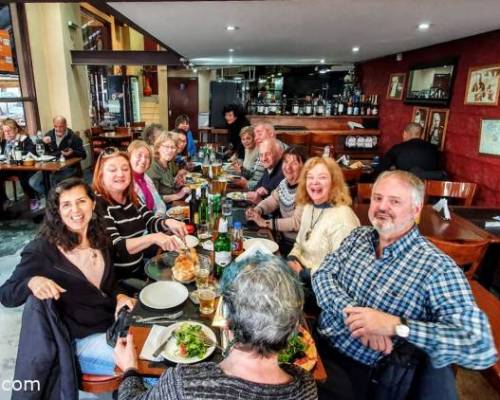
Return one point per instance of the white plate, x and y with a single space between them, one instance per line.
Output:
271 246
47 158
2 157
178 212
163 294
170 350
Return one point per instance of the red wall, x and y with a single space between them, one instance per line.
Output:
460 156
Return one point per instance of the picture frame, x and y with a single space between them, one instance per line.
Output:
489 137
483 86
421 116
436 130
396 86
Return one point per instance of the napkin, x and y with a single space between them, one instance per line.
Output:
31 155
442 208
154 339
254 249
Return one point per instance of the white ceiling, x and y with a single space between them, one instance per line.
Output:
306 31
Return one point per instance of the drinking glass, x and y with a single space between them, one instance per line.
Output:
40 150
204 231
203 272
207 301
227 207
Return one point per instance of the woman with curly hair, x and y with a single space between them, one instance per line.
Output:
327 217
70 262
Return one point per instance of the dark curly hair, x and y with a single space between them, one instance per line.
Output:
57 233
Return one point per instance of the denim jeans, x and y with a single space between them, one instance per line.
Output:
36 181
94 355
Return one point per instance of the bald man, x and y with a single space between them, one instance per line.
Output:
414 155
59 141
270 156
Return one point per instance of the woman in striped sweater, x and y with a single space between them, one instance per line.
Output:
133 229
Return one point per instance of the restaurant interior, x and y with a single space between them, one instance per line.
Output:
335 79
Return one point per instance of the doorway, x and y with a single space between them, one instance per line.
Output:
183 99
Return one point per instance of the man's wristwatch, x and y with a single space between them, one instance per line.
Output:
402 329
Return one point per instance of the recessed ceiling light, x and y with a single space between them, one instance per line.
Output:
231 50
355 49
322 61
424 26
231 28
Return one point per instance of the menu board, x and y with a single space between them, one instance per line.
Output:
6 62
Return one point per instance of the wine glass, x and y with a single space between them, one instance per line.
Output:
40 150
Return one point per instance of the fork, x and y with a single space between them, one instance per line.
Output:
172 316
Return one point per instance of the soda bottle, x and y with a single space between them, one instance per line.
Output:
222 249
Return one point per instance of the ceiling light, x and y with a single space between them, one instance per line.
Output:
231 28
424 26
231 50
195 70
322 61
355 49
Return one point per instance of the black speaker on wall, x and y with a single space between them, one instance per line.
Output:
222 94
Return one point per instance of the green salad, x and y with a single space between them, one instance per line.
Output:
294 350
191 341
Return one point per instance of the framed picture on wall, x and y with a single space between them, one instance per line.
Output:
421 116
483 86
438 122
489 137
396 86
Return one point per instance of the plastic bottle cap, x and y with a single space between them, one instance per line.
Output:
237 225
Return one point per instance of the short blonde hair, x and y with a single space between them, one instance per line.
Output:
162 138
139 144
339 192
247 130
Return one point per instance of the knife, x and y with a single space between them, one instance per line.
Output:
157 352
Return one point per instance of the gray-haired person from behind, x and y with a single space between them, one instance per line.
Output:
264 302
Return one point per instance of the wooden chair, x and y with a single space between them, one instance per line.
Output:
123 130
296 139
318 140
364 192
490 305
457 190
463 252
99 384
138 124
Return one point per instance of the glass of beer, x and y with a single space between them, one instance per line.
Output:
207 301
204 170
216 170
203 272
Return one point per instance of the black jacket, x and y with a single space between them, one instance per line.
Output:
84 308
45 355
233 131
71 141
271 180
27 145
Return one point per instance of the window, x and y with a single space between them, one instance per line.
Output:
17 99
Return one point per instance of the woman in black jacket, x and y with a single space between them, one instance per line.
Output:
70 262
235 120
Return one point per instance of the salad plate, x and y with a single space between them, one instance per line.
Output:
188 342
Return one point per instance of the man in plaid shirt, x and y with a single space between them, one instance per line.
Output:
387 284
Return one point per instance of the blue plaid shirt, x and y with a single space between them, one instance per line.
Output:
411 279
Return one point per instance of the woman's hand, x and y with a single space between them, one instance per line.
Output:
165 242
236 166
178 228
180 178
123 300
184 192
295 266
125 353
253 215
45 288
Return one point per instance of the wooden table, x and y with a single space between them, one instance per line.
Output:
114 139
46 168
432 225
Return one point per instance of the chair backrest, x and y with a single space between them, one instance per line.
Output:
96 130
457 190
138 124
352 175
463 252
99 383
364 192
318 140
296 139
122 130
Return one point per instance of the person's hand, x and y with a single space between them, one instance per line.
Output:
295 266
67 152
240 182
250 213
236 166
165 242
46 140
253 197
45 288
124 300
253 215
183 192
363 321
262 192
178 228
125 353
382 344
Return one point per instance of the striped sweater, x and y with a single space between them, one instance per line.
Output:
125 222
207 381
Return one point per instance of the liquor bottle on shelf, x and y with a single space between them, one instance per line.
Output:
355 106
328 108
349 106
340 108
362 110
272 106
375 105
336 106
308 106
295 106
369 106
222 249
283 105
266 106
320 106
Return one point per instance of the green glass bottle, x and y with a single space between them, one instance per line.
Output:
203 212
222 249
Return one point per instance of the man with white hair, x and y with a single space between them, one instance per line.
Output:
388 294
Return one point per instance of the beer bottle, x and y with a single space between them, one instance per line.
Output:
193 209
222 249
203 212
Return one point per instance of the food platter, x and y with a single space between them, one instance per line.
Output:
173 351
178 212
237 196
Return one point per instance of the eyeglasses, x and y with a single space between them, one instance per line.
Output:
109 151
